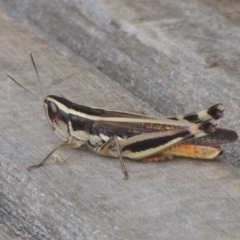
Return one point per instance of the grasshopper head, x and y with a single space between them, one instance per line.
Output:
57 114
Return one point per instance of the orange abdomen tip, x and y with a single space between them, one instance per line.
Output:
193 151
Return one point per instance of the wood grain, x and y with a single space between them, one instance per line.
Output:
85 196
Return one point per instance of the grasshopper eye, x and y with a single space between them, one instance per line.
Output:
53 111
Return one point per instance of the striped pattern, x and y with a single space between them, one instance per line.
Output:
139 136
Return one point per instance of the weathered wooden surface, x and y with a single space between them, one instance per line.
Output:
175 55
159 50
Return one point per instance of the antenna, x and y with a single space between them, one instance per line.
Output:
20 85
38 77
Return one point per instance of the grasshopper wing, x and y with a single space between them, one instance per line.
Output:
218 137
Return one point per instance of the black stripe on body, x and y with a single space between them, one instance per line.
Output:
110 131
63 116
80 124
98 112
191 117
154 142
77 107
173 118
127 130
83 124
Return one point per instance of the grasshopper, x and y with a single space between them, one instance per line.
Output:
131 135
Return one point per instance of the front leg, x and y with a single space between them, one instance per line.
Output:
75 144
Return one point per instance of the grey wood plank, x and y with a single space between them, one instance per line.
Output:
177 56
85 197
